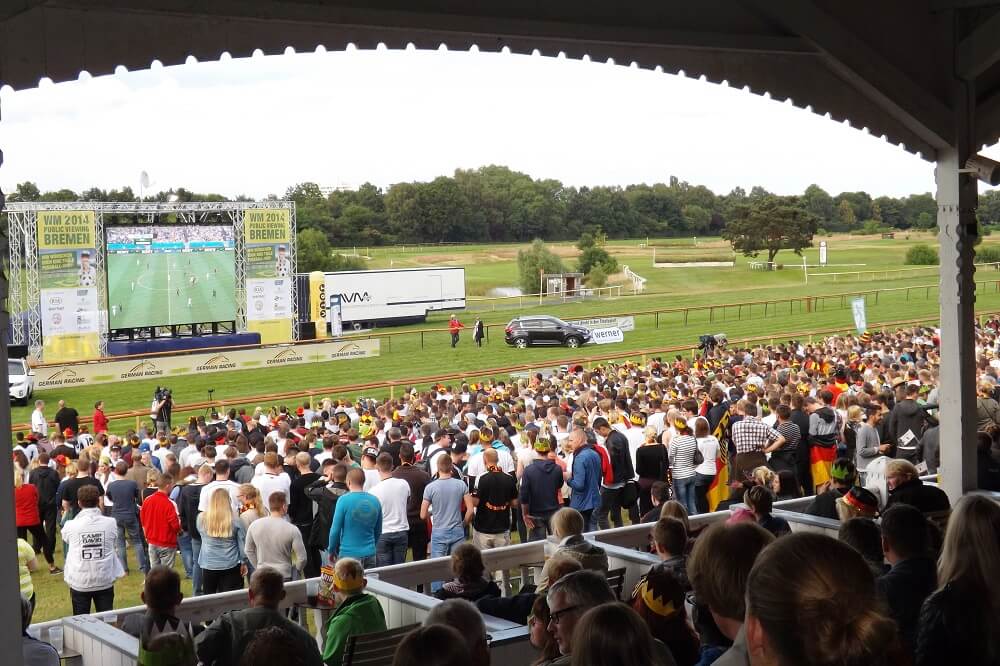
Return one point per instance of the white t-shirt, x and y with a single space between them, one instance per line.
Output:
372 479
39 424
267 484
477 466
656 420
231 487
188 455
393 494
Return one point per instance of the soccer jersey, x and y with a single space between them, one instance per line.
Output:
87 277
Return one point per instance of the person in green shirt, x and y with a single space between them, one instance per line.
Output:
356 613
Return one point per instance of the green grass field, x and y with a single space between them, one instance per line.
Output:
162 289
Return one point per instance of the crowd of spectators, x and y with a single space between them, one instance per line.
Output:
456 470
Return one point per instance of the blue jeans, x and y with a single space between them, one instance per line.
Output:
195 567
684 491
135 535
443 541
391 548
184 544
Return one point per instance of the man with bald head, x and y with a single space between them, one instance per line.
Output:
494 494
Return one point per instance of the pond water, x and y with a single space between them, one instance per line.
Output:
498 292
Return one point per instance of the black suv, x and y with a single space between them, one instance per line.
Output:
542 330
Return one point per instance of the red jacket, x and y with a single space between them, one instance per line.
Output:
26 506
100 421
158 516
607 474
454 325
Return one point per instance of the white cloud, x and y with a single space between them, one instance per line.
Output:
256 126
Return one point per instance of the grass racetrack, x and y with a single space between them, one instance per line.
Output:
170 288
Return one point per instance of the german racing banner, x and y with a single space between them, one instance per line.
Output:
68 283
166 368
267 234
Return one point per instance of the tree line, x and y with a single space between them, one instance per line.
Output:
498 204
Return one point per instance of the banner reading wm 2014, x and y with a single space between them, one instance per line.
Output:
267 234
68 280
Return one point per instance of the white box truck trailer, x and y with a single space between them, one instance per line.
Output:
395 296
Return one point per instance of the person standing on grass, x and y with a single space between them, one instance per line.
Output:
99 418
393 494
124 495
274 542
454 326
92 563
160 523
29 518
477 332
222 559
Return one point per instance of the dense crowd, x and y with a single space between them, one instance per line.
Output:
276 494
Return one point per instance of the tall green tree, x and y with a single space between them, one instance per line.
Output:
26 191
771 224
846 217
313 251
532 262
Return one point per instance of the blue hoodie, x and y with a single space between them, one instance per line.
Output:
540 484
586 479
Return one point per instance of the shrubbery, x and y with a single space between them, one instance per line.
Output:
922 255
988 254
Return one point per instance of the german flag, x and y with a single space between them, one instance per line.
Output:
718 491
821 460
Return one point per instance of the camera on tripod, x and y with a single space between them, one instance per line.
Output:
161 394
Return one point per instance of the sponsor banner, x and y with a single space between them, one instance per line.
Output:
317 303
624 323
604 336
269 299
68 280
266 234
860 318
170 367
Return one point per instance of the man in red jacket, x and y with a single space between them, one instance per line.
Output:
161 524
454 325
100 420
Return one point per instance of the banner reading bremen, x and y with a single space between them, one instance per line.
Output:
267 233
67 280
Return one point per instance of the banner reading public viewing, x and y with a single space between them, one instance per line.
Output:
67 280
267 233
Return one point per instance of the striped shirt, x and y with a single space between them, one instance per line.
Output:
750 435
681 454
792 436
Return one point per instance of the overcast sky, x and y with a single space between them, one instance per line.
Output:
255 126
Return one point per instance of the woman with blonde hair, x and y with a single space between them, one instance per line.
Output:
812 600
251 504
222 559
651 466
960 622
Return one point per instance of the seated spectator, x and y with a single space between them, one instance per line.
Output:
225 639
670 540
567 526
272 645
612 633
960 622
517 607
786 486
913 575
162 637
760 499
435 645
357 612
674 509
905 486
858 502
658 598
864 536
659 493
538 632
33 651
812 600
569 598
842 476
469 582
462 615
718 567
986 463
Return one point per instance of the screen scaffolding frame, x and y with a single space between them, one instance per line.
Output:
22 221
